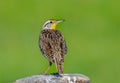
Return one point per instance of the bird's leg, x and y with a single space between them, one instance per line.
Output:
50 64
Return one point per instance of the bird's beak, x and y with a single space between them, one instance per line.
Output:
59 21
55 23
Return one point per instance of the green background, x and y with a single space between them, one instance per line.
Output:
91 30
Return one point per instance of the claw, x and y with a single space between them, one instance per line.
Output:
56 74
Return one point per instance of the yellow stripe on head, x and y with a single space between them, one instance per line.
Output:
53 20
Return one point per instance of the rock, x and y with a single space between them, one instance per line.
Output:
64 78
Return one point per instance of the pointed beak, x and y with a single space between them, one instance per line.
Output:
59 21
55 23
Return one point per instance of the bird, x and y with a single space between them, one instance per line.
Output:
53 45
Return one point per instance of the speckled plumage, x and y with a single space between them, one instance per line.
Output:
53 47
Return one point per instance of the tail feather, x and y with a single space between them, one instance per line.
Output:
59 65
60 68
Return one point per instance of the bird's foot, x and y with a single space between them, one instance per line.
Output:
56 74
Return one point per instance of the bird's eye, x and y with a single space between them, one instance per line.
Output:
50 21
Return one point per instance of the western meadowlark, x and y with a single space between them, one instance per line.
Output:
52 44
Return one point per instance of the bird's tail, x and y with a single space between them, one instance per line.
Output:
59 64
60 68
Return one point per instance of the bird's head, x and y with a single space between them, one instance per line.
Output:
51 24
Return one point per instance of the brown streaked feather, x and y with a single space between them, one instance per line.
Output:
53 47
51 41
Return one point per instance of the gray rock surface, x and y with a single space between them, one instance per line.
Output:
66 78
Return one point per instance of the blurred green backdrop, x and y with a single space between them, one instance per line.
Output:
91 30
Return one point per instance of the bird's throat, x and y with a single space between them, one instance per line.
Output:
53 26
